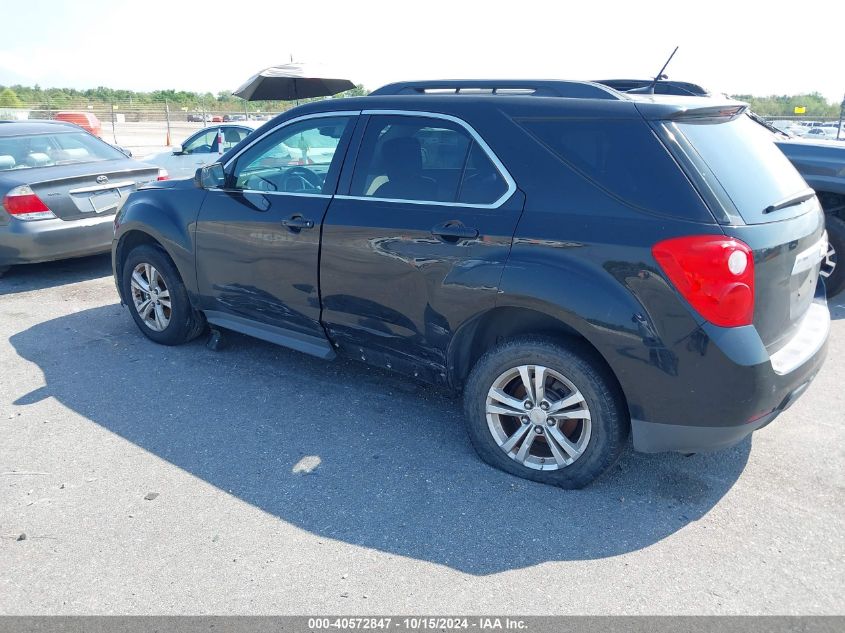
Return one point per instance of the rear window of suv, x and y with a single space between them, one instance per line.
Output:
623 157
748 165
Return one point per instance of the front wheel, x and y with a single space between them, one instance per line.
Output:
545 412
157 298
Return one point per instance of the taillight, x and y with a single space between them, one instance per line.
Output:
22 203
163 175
714 274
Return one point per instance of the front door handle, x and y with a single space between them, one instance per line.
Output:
454 231
297 223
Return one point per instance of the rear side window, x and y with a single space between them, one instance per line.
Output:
426 160
623 157
750 168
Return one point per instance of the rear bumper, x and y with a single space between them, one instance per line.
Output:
747 397
47 240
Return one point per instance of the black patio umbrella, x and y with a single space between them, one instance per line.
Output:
290 82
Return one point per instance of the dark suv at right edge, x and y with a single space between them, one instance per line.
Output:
580 262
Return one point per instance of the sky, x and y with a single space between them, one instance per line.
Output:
745 47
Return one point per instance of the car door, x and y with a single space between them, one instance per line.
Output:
203 148
258 232
417 244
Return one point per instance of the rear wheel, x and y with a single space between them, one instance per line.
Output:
832 268
544 412
157 298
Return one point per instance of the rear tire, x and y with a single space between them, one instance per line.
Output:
157 298
833 267
569 445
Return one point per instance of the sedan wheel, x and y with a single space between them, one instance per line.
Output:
538 417
151 297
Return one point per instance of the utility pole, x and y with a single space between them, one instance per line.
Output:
841 117
113 131
167 118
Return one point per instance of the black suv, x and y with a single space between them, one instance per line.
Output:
580 262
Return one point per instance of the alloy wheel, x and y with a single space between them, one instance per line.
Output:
538 417
151 297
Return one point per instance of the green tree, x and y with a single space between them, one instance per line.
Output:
784 105
9 99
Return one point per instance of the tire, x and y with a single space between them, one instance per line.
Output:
833 267
595 442
180 323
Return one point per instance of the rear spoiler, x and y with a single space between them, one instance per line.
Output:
697 110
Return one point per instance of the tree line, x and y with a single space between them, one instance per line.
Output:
38 98
784 105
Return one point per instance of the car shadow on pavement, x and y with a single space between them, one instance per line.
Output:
28 277
354 454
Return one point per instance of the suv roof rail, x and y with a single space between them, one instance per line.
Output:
541 88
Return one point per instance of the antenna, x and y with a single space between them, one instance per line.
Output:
649 90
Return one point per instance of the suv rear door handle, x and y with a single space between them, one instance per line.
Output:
454 231
297 223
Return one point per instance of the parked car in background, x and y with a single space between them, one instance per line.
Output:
822 164
822 133
198 117
59 189
217 118
579 262
88 121
199 149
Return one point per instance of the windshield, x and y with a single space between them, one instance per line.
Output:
48 150
750 168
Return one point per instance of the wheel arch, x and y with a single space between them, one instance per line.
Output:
503 322
131 238
153 219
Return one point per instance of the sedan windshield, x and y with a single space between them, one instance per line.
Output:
48 150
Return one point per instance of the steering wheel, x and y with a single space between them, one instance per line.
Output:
300 179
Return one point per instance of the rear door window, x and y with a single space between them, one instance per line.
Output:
750 168
623 157
426 160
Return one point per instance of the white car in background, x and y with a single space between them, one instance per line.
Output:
821 133
200 149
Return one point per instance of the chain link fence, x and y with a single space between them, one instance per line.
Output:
147 127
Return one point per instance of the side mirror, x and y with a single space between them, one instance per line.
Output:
210 177
177 150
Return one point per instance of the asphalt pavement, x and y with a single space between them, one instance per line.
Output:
141 479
